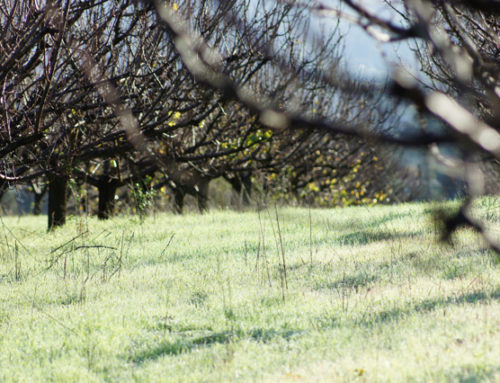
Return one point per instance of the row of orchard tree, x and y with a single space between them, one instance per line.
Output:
158 93
96 93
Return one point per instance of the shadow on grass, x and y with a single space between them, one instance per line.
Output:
369 222
449 264
472 374
427 305
188 343
365 237
356 281
190 340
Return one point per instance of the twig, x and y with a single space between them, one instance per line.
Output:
68 242
94 247
282 247
168 244
310 237
264 250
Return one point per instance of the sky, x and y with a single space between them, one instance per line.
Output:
365 55
371 58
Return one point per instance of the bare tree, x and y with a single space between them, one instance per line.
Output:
108 92
464 62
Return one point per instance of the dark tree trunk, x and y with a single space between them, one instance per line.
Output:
246 193
242 185
202 202
179 200
58 198
235 184
3 188
107 190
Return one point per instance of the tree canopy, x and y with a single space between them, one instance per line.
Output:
155 93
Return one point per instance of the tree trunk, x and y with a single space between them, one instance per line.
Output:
179 200
37 203
38 194
58 198
202 202
242 185
246 192
3 188
107 190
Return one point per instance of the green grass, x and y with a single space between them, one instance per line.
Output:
371 297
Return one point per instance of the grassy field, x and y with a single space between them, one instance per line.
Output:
368 296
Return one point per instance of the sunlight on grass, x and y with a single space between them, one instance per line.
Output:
371 296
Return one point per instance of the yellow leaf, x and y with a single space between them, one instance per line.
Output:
312 187
175 7
360 371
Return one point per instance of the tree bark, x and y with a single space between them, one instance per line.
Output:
37 203
38 194
246 192
107 190
179 200
242 185
3 188
202 202
58 198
